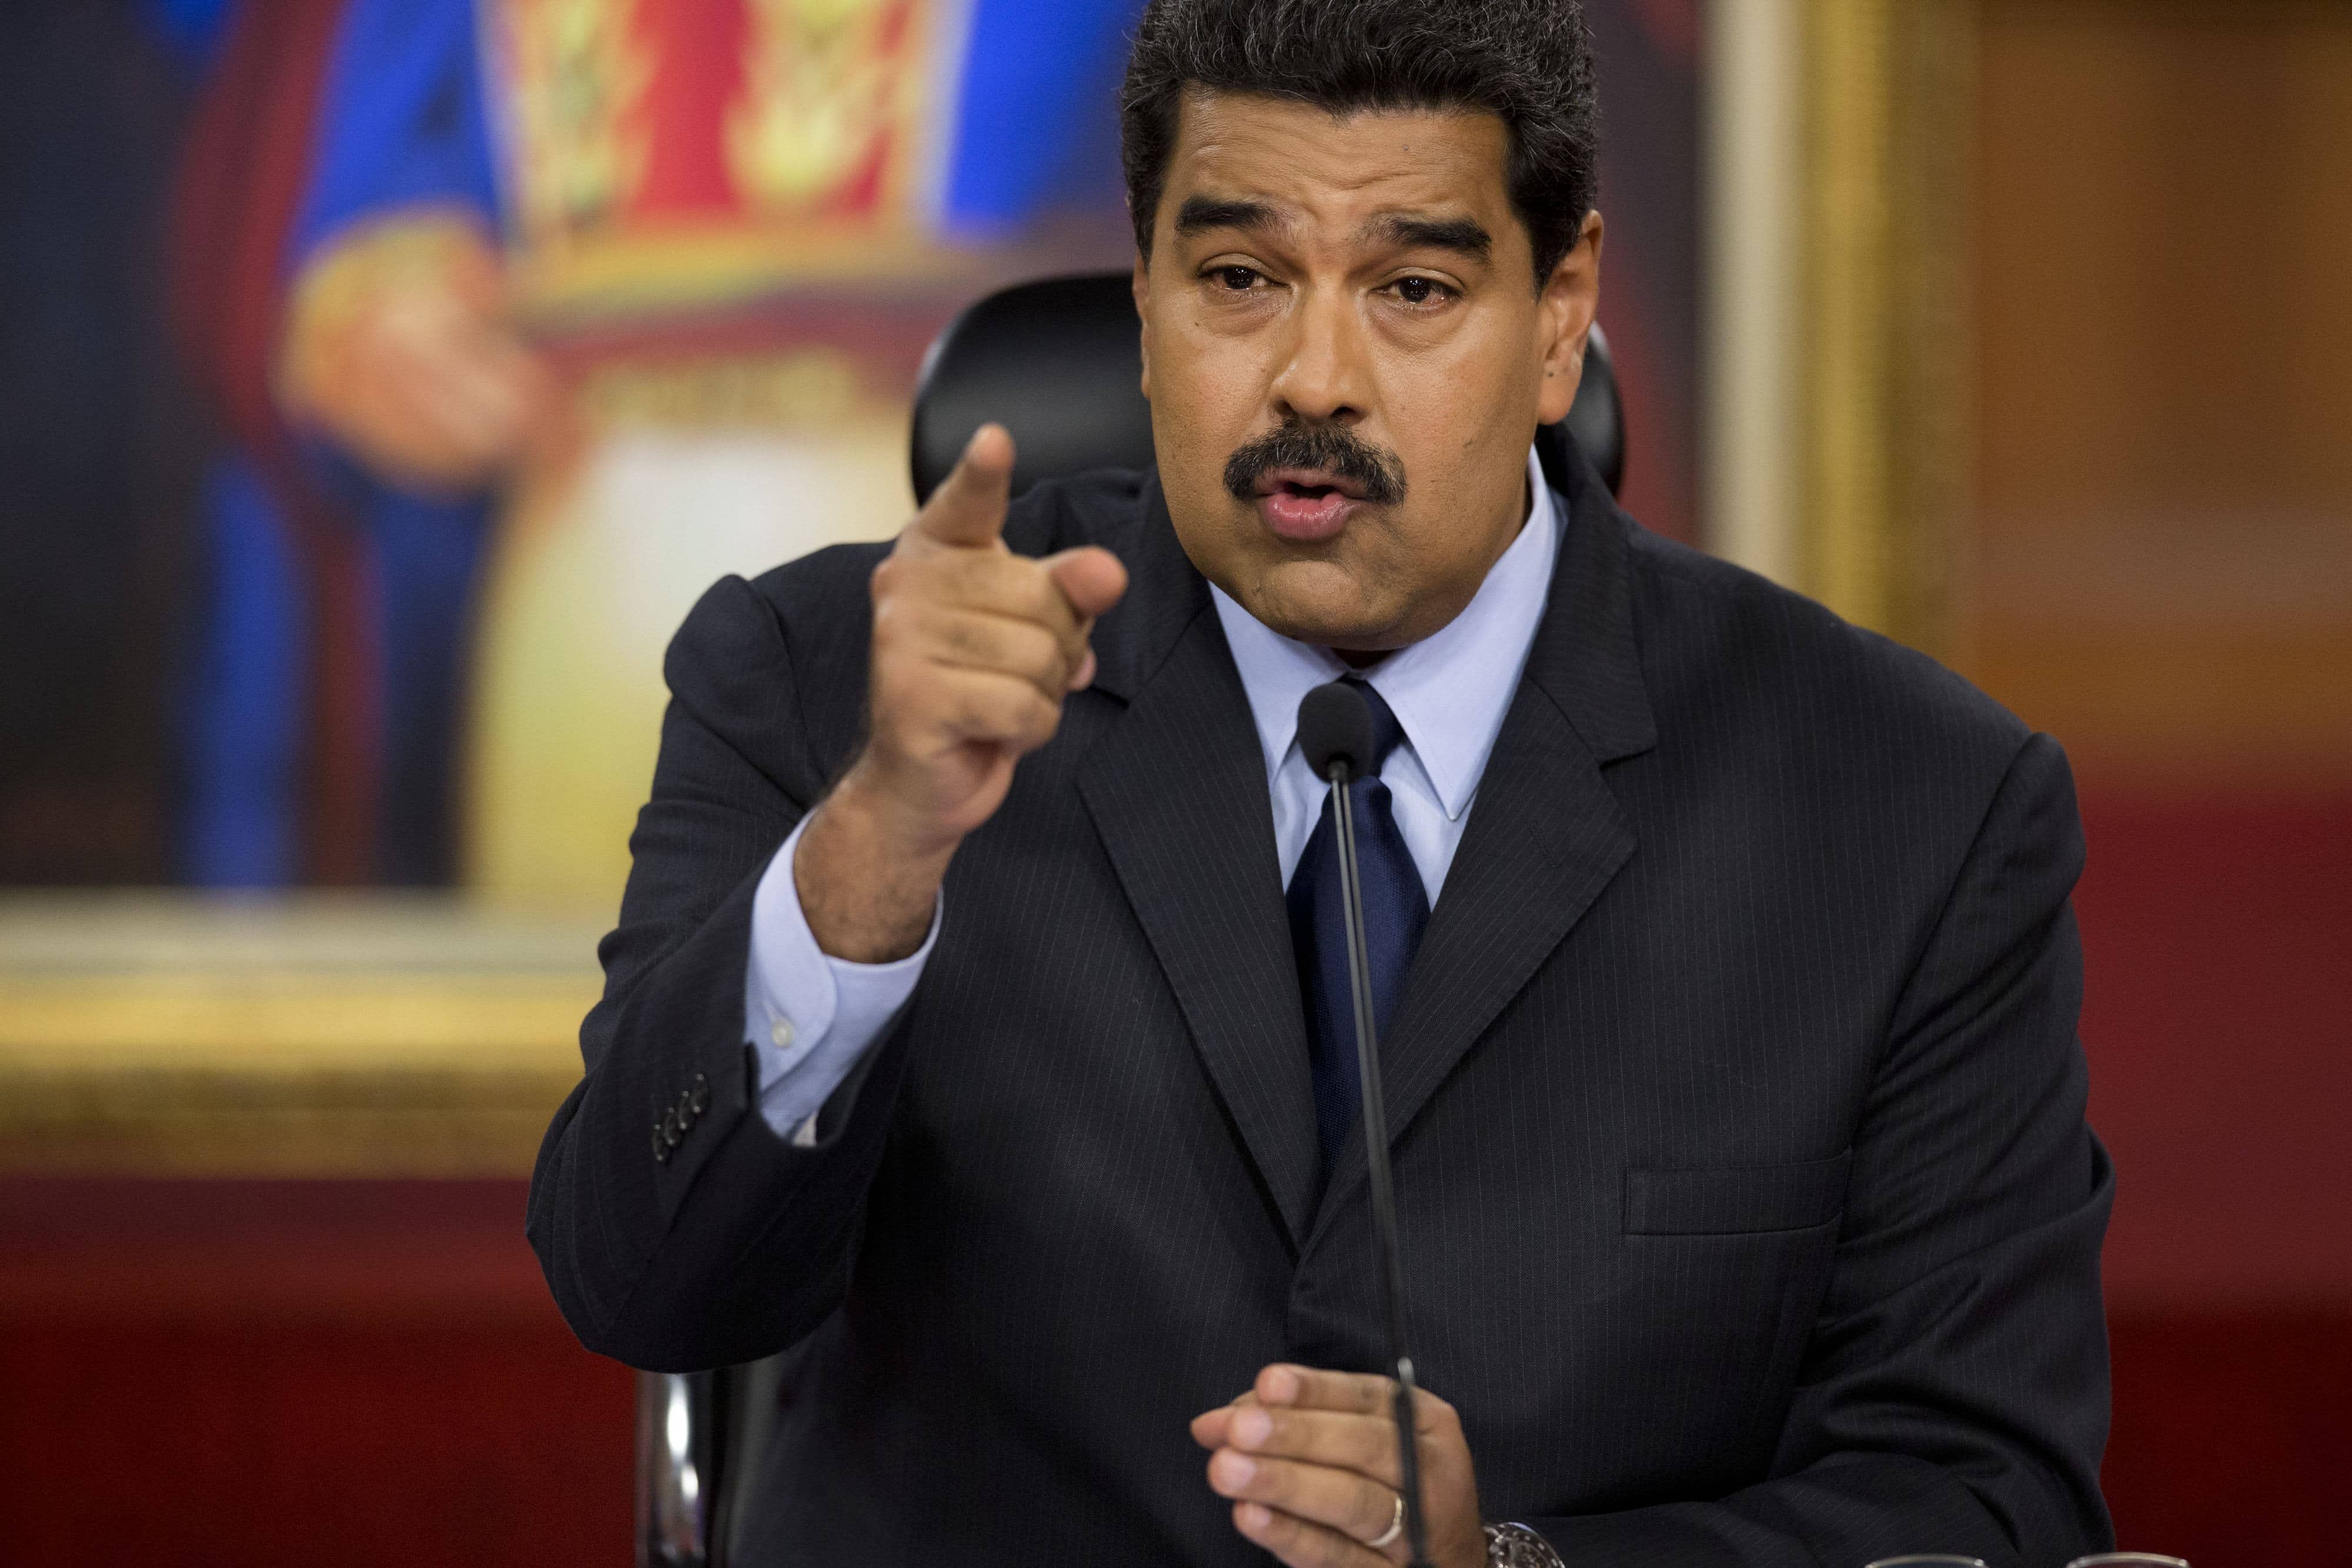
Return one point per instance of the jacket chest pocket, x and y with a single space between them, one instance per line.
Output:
1736 1200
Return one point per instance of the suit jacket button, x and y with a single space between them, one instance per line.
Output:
685 1109
661 1144
699 1096
670 1129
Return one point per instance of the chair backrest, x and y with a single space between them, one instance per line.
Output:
1057 363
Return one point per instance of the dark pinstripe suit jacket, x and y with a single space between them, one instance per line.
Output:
1749 1211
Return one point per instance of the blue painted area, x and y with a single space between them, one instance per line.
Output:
428 556
195 29
245 705
402 119
1036 126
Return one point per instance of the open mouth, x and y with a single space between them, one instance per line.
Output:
1306 505
1311 484
1305 481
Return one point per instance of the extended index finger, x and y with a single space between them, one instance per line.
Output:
968 509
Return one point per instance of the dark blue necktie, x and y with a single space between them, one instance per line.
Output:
1396 908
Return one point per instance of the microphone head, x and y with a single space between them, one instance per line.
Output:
1334 726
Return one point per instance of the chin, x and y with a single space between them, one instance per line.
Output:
1315 601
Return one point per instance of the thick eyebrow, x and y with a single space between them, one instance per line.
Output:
1201 214
1466 236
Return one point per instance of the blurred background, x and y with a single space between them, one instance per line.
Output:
381 381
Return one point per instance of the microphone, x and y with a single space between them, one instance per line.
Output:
1335 733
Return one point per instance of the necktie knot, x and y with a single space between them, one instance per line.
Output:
1386 731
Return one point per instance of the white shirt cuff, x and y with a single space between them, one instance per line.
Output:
810 1016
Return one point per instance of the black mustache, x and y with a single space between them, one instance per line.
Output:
1372 469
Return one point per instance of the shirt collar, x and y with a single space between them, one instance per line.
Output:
1448 691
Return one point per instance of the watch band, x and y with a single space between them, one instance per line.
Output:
1517 1546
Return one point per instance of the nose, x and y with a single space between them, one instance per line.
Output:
1323 377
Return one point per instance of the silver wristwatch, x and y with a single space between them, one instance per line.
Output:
1517 1546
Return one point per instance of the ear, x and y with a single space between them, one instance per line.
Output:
1564 310
1141 285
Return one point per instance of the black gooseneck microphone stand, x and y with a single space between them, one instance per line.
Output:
1335 732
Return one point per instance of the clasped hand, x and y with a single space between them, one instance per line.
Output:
1310 1460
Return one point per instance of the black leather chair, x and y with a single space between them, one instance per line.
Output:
1057 363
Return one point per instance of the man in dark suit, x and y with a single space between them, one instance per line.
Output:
968 1026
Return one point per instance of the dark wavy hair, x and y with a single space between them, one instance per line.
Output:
1529 62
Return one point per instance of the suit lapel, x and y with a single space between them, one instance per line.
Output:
1546 833
1177 792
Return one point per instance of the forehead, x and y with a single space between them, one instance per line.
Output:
1324 169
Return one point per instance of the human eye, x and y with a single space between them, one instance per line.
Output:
1422 292
1233 278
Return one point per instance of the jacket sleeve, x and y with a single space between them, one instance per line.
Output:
1954 1395
733 1242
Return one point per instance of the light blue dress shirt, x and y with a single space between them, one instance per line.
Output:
810 1017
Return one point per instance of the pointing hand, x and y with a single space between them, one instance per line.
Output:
974 648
